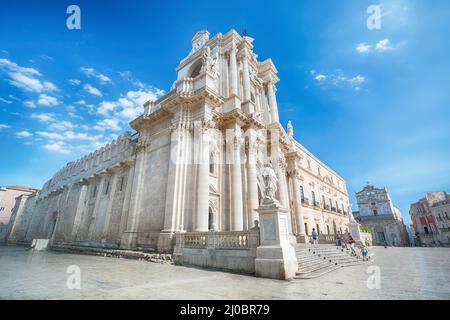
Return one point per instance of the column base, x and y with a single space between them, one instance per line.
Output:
302 238
166 241
128 240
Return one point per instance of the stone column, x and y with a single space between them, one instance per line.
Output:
175 190
80 209
246 76
294 176
91 233
272 102
201 214
112 192
233 71
237 214
252 180
130 235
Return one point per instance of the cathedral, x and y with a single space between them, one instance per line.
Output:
193 165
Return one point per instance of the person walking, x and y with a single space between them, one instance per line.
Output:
315 237
338 240
365 253
351 241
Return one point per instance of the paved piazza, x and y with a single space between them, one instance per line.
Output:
406 273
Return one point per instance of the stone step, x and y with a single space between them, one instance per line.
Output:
314 265
306 271
317 273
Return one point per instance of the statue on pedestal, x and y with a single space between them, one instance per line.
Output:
270 183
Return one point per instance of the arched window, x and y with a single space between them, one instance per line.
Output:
195 69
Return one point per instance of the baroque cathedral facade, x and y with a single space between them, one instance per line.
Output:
193 165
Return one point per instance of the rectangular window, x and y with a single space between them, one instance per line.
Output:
302 195
94 191
375 212
306 228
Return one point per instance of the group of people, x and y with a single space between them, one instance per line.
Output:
344 241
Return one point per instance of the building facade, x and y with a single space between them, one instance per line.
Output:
431 219
8 197
193 165
377 211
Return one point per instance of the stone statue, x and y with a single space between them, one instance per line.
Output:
270 183
209 64
290 130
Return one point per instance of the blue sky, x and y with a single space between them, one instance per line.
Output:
372 104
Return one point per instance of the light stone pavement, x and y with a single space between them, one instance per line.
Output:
406 273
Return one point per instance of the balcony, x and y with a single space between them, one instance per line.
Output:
333 209
305 201
326 207
339 211
316 204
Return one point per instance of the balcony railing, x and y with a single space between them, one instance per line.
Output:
305 201
333 209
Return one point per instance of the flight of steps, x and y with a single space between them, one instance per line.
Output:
315 262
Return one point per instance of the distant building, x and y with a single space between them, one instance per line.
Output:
431 219
8 197
377 211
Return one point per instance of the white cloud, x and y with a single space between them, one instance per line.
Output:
44 117
14 67
24 134
320 77
5 101
25 82
62 125
58 146
91 72
339 80
46 100
68 135
92 90
106 107
29 104
107 124
363 48
25 78
4 126
383 45
50 86
74 82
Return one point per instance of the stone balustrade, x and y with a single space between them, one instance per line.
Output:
220 240
325 238
234 251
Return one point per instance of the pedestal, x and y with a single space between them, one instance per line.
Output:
275 257
166 241
355 230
